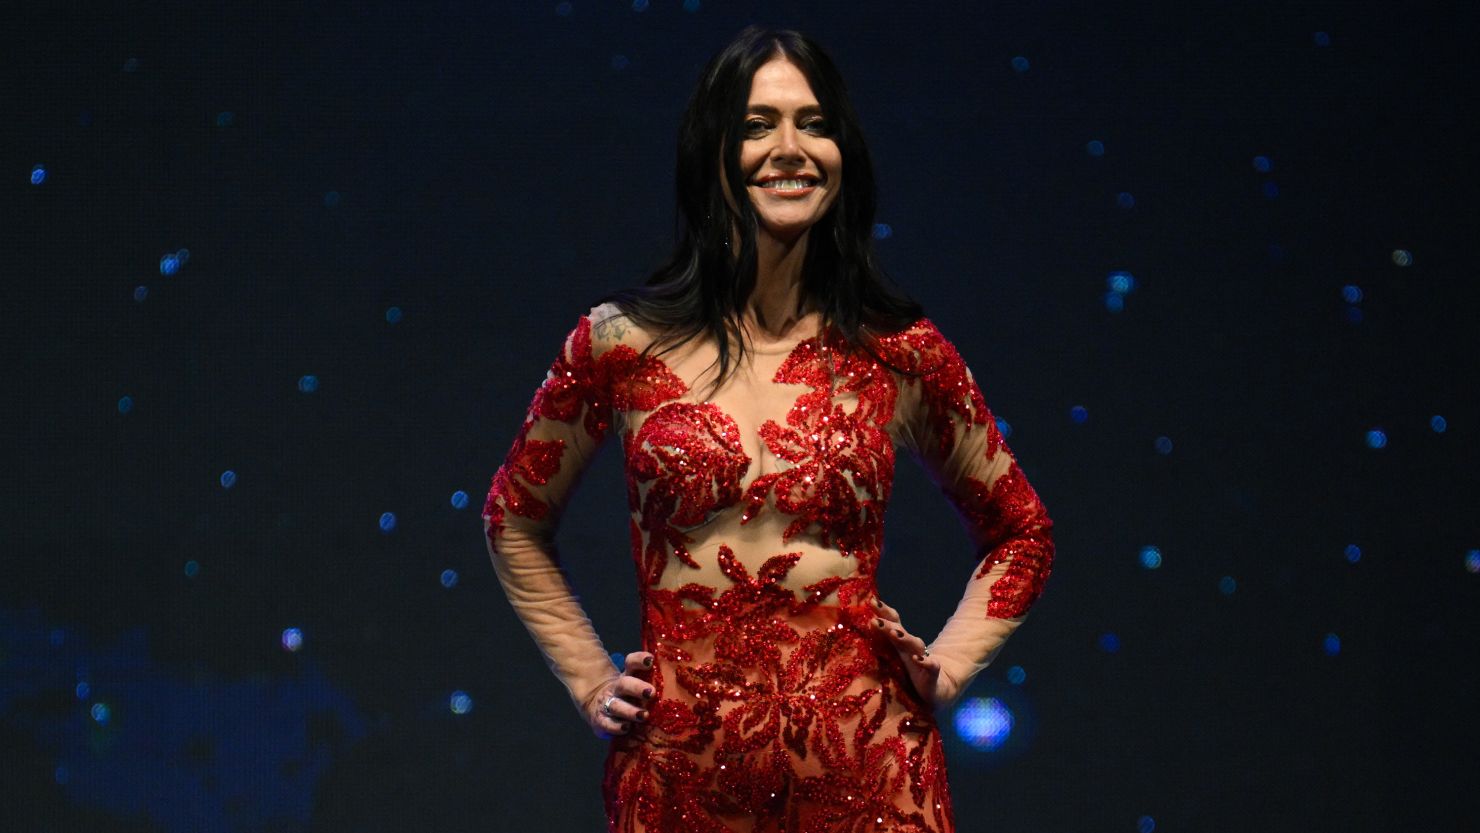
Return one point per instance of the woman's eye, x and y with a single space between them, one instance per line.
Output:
755 126
816 126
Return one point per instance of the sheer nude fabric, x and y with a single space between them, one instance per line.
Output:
757 514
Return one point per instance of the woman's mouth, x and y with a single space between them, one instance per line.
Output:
797 187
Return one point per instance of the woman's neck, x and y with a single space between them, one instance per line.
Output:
776 304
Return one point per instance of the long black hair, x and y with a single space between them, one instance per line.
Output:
702 289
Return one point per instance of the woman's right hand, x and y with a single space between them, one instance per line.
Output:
623 702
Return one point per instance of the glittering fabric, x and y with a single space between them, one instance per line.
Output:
779 706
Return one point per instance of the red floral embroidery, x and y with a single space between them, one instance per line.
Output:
1011 519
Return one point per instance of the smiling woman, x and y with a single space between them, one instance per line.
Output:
760 383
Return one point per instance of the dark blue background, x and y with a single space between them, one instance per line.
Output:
488 169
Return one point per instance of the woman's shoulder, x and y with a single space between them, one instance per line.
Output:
607 327
919 348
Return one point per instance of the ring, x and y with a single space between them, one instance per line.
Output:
927 652
606 706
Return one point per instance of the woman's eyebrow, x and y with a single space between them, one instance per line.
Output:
768 110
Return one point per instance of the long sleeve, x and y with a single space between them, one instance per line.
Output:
569 417
949 429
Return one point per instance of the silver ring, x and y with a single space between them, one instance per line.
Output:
606 706
927 652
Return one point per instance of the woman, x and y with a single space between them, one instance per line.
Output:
759 383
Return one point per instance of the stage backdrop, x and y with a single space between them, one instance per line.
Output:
281 278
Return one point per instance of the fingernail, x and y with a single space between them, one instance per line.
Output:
647 662
879 603
899 633
648 693
642 715
878 623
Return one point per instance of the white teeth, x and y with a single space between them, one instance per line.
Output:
787 184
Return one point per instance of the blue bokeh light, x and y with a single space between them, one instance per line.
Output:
883 231
1121 281
564 9
1227 585
1439 424
1020 64
387 522
393 315
620 62
101 713
1352 294
1016 675
82 690
1095 147
1109 643
1331 644
1376 438
225 118
1353 553
1262 164
228 479
192 569
125 404
292 639
1114 301
141 292
169 264
983 722
459 499
1472 561
1321 39
691 5
1003 427
1151 557
1145 824
62 774
38 174
639 5
1079 414
1163 445
460 702
449 578
1402 257
332 199
1125 199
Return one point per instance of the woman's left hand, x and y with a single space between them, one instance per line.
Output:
931 681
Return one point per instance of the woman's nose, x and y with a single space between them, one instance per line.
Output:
787 146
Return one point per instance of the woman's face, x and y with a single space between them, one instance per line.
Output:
793 170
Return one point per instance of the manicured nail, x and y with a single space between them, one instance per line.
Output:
899 633
647 662
648 693
642 715
879 603
878 623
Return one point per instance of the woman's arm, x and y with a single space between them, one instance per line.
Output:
950 430
571 414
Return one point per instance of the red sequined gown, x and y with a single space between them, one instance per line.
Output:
756 526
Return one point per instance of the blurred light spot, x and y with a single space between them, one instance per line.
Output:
228 479
1376 438
38 174
1003 427
308 383
169 264
1353 553
387 521
131 65
292 639
1402 257
883 231
449 578
1352 294
1020 64
983 722
1079 414
101 713
331 199
141 292
1121 282
192 569
1262 165
459 499
639 5
1125 200
225 118
82 690
1150 557
1016 675
619 62
1163 445
1331 644
1145 824
1439 424
1472 561
619 659
62 775
1270 190
1353 315
1321 39
125 404
691 5
460 702
1109 643
1095 147
393 315
1227 585
1114 301
563 9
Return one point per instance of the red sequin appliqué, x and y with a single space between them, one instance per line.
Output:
780 714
